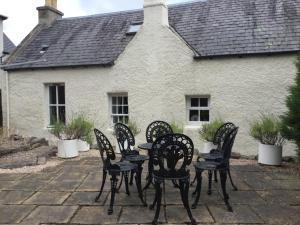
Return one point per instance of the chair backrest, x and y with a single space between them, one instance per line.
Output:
228 143
221 133
125 138
157 129
172 153
106 150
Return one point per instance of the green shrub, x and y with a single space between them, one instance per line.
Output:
176 128
291 119
132 125
208 130
62 131
267 130
82 128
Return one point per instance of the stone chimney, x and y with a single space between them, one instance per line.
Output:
2 18
155 13
49 13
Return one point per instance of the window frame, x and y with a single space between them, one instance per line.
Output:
189 108
57 104
111 114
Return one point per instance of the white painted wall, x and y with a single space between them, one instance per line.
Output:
157 70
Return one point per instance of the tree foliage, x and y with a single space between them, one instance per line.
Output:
291 118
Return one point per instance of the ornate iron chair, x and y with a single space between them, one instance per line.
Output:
172 153
155 130
222 166
114 169
216 154
126 142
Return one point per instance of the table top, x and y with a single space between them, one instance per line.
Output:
146 146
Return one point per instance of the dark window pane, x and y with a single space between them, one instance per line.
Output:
114 100
194 115
115 119
62 114
203 102
126 119
120 100
125 109
53 115
125 99
194 102
61 94
120 111
204 115
114 109
52 94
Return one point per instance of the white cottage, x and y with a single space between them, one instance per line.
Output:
188 62
6 47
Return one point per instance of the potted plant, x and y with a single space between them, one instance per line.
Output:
132 125
267 131
67 143
207 133
83 132
176 128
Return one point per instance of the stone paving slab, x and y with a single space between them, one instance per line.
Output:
47 198
240 214
178 214
140 215
96 215
14 197
14 213
51 214
86 198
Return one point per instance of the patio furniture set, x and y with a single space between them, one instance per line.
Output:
169 155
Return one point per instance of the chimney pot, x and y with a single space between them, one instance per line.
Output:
51 3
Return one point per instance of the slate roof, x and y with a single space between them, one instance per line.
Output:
9 46
211 28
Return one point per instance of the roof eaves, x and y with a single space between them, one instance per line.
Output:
18 68
199 57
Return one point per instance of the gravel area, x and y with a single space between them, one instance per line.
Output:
52 162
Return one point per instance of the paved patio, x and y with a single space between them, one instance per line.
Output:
65 195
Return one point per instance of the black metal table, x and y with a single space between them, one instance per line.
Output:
148 147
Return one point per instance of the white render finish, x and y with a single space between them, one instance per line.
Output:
158 71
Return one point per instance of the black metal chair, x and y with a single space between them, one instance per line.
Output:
114 169
216 154
172 153
222 166
155 130
126 142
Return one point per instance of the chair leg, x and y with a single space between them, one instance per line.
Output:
184 186
216 176
223 178
198 189
131 178
231 181
138 181
126 175
158 193
102 185
119 187
209 181
114 183
194 180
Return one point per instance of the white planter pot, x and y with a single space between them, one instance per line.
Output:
269 154
82 146
67 149
208 146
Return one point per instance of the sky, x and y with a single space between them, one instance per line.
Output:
23 17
